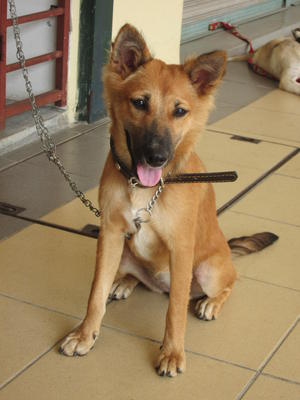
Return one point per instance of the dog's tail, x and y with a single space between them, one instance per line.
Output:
238 58
251 244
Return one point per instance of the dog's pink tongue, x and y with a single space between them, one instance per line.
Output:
148 176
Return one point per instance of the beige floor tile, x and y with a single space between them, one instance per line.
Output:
48 267
263 124
279 101
276 198
221 153
74 214
249 327
277 264
26 333
286 361
291 168
266 388
218 152
216 148
121 367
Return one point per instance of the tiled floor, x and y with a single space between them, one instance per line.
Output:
252 351
260 120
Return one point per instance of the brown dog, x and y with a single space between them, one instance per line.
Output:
157 113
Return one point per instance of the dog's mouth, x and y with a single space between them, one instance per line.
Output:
150 153
148 176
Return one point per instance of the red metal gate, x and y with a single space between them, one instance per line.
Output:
59 94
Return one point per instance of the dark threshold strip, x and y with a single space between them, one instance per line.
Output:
48 224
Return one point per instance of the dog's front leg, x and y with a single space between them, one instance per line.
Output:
172 358
109 251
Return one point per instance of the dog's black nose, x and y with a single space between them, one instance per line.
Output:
157 148
156 159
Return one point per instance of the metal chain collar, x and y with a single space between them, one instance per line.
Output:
48 144
147 211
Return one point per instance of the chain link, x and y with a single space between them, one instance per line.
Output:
139 219
155 197
48 144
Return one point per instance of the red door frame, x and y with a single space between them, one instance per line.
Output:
59 94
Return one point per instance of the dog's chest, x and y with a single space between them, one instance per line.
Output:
144 243
144 240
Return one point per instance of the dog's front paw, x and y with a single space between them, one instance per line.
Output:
78 343
170 364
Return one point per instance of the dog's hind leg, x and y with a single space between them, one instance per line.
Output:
123 287
130 274
216 279
208 308
290 81
125 281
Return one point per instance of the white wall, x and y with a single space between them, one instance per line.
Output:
158 20
38 38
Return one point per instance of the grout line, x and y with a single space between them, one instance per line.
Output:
264 218
260 85
257 181
261 138
273 111
102 122
267 360
39 306
28 366
280 378
127 333
288 176
269 283
234 364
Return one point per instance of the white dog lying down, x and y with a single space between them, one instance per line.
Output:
281 59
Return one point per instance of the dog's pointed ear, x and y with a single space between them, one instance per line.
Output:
129 51
206 71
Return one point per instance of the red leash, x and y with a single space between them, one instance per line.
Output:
232 29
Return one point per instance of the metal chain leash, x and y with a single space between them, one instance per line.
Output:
48 144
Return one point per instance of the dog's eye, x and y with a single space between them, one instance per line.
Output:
139 104
179 112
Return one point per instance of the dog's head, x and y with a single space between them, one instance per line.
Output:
157 110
